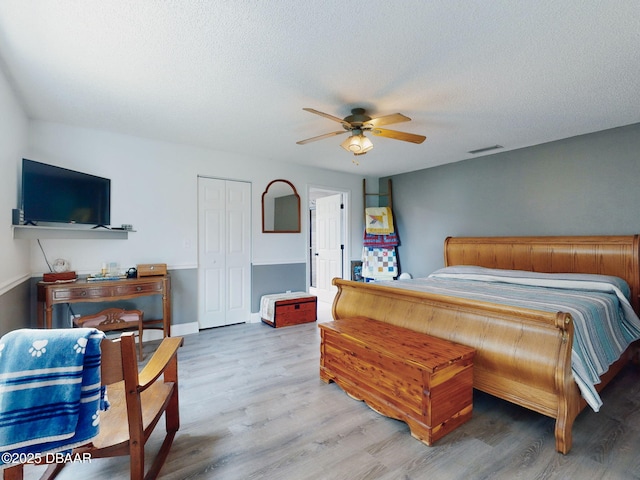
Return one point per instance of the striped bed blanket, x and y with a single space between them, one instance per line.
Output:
604 321
50 390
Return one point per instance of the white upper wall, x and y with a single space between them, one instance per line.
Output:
14 256
154 188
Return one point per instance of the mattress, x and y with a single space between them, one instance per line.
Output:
604 321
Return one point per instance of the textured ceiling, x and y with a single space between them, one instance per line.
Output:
235 75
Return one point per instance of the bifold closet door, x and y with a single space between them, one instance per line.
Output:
224 252
329 245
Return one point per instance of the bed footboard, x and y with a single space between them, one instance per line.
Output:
523 356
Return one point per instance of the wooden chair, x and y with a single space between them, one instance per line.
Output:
137 400
115 319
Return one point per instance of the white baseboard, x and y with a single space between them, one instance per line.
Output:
179 330
182 329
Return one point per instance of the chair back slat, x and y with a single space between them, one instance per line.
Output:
112 319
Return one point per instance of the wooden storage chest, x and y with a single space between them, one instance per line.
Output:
283 310
424 381
151 269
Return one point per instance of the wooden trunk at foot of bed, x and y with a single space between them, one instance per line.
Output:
523 356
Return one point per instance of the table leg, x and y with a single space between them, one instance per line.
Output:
166 316
49 317
40 313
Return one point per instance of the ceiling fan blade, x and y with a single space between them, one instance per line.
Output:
326 115
404 136
321 137
388 120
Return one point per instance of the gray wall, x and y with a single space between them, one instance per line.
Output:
266 279
577 186
15 310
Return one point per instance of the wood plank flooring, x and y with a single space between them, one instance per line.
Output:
253 407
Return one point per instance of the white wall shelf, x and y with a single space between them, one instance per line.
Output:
31 231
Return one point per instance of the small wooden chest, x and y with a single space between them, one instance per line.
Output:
288 309
424 381
151 269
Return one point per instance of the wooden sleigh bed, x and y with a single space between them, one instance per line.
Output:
522 355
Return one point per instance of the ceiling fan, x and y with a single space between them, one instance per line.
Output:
359 122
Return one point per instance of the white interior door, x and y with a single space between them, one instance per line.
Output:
329 244
224 257
238 252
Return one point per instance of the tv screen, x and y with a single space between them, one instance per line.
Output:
58 195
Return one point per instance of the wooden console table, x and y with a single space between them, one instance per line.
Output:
82 291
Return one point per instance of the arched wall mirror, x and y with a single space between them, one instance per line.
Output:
280 208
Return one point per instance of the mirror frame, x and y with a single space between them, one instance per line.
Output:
295 192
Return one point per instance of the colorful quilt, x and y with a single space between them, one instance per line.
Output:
385 241
379 220
379 263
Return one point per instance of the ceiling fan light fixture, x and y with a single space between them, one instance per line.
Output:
357 144
366 144
359 122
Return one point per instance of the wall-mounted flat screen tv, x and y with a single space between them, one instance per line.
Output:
57 195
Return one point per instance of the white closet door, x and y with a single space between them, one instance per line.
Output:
329 244
238 252
224 257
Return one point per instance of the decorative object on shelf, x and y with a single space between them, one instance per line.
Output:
61 277
280 208
17 217
151 269
61 265
60 272
97 277
108 271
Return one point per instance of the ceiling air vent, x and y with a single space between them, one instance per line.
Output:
486 149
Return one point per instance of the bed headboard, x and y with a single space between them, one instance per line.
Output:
605 255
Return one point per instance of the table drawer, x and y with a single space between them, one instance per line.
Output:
138 288
79 293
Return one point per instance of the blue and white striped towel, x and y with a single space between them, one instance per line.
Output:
50 391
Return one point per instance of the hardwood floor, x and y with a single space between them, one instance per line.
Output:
253 407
